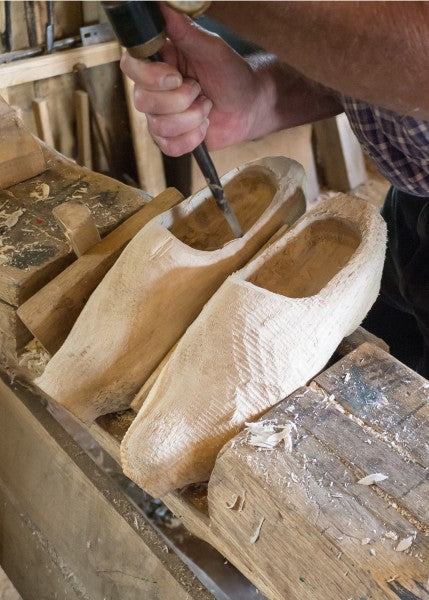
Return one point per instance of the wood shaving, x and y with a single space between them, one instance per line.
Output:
372 552
391 535
41 192
233 504
371 479
405 543
34 358
265 434
11 219
365 541
255 537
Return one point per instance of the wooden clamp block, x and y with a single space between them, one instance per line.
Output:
52 311
21 156
78 226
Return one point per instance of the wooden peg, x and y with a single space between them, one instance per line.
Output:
83 129
78 225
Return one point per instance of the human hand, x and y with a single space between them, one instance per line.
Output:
202 90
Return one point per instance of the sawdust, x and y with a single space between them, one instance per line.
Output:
371 479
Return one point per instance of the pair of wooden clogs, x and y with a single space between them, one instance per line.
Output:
247 339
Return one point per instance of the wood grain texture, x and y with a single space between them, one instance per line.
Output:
323 535
52 65
160 283
20 154
51 313
83 129
43 123
267 330
34 248
339 154
77 530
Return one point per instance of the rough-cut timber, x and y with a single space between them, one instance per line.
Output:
268 329
160 283
323 535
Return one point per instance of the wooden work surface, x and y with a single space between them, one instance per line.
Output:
32 247
319 534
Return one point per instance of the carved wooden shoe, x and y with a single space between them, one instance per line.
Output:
269 329
159 284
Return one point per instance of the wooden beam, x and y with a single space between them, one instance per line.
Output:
60 63
75 535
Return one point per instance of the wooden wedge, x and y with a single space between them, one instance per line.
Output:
51 312
160 283
269 328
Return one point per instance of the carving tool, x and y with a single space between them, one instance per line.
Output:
140 27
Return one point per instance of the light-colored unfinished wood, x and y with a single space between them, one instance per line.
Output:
322 534
340 154
148 156
60 63
269 328
43 123
160 283
51 312
78 226
21 156
66 528
83 129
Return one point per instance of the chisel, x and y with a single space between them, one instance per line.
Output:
140 27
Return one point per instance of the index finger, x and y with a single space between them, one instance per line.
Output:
153 76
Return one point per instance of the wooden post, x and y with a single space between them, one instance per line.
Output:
83 129
43 123
339 154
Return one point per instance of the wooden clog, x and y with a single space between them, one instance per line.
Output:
160 283
268 330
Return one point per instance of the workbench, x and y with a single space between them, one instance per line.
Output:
297 522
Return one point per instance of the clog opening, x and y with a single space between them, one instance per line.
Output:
309 261
204 227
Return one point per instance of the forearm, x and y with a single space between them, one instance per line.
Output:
287 99
375 51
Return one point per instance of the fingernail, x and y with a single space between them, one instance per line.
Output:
207 106
171 82
204 126
196 85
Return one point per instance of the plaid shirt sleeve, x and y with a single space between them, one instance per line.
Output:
398 144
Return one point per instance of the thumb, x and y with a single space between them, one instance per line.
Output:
186 34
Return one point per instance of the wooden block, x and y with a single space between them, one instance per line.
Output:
33 247
21 156
78 226
297 523
339 154
43 123
50 313
75 535
83 129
